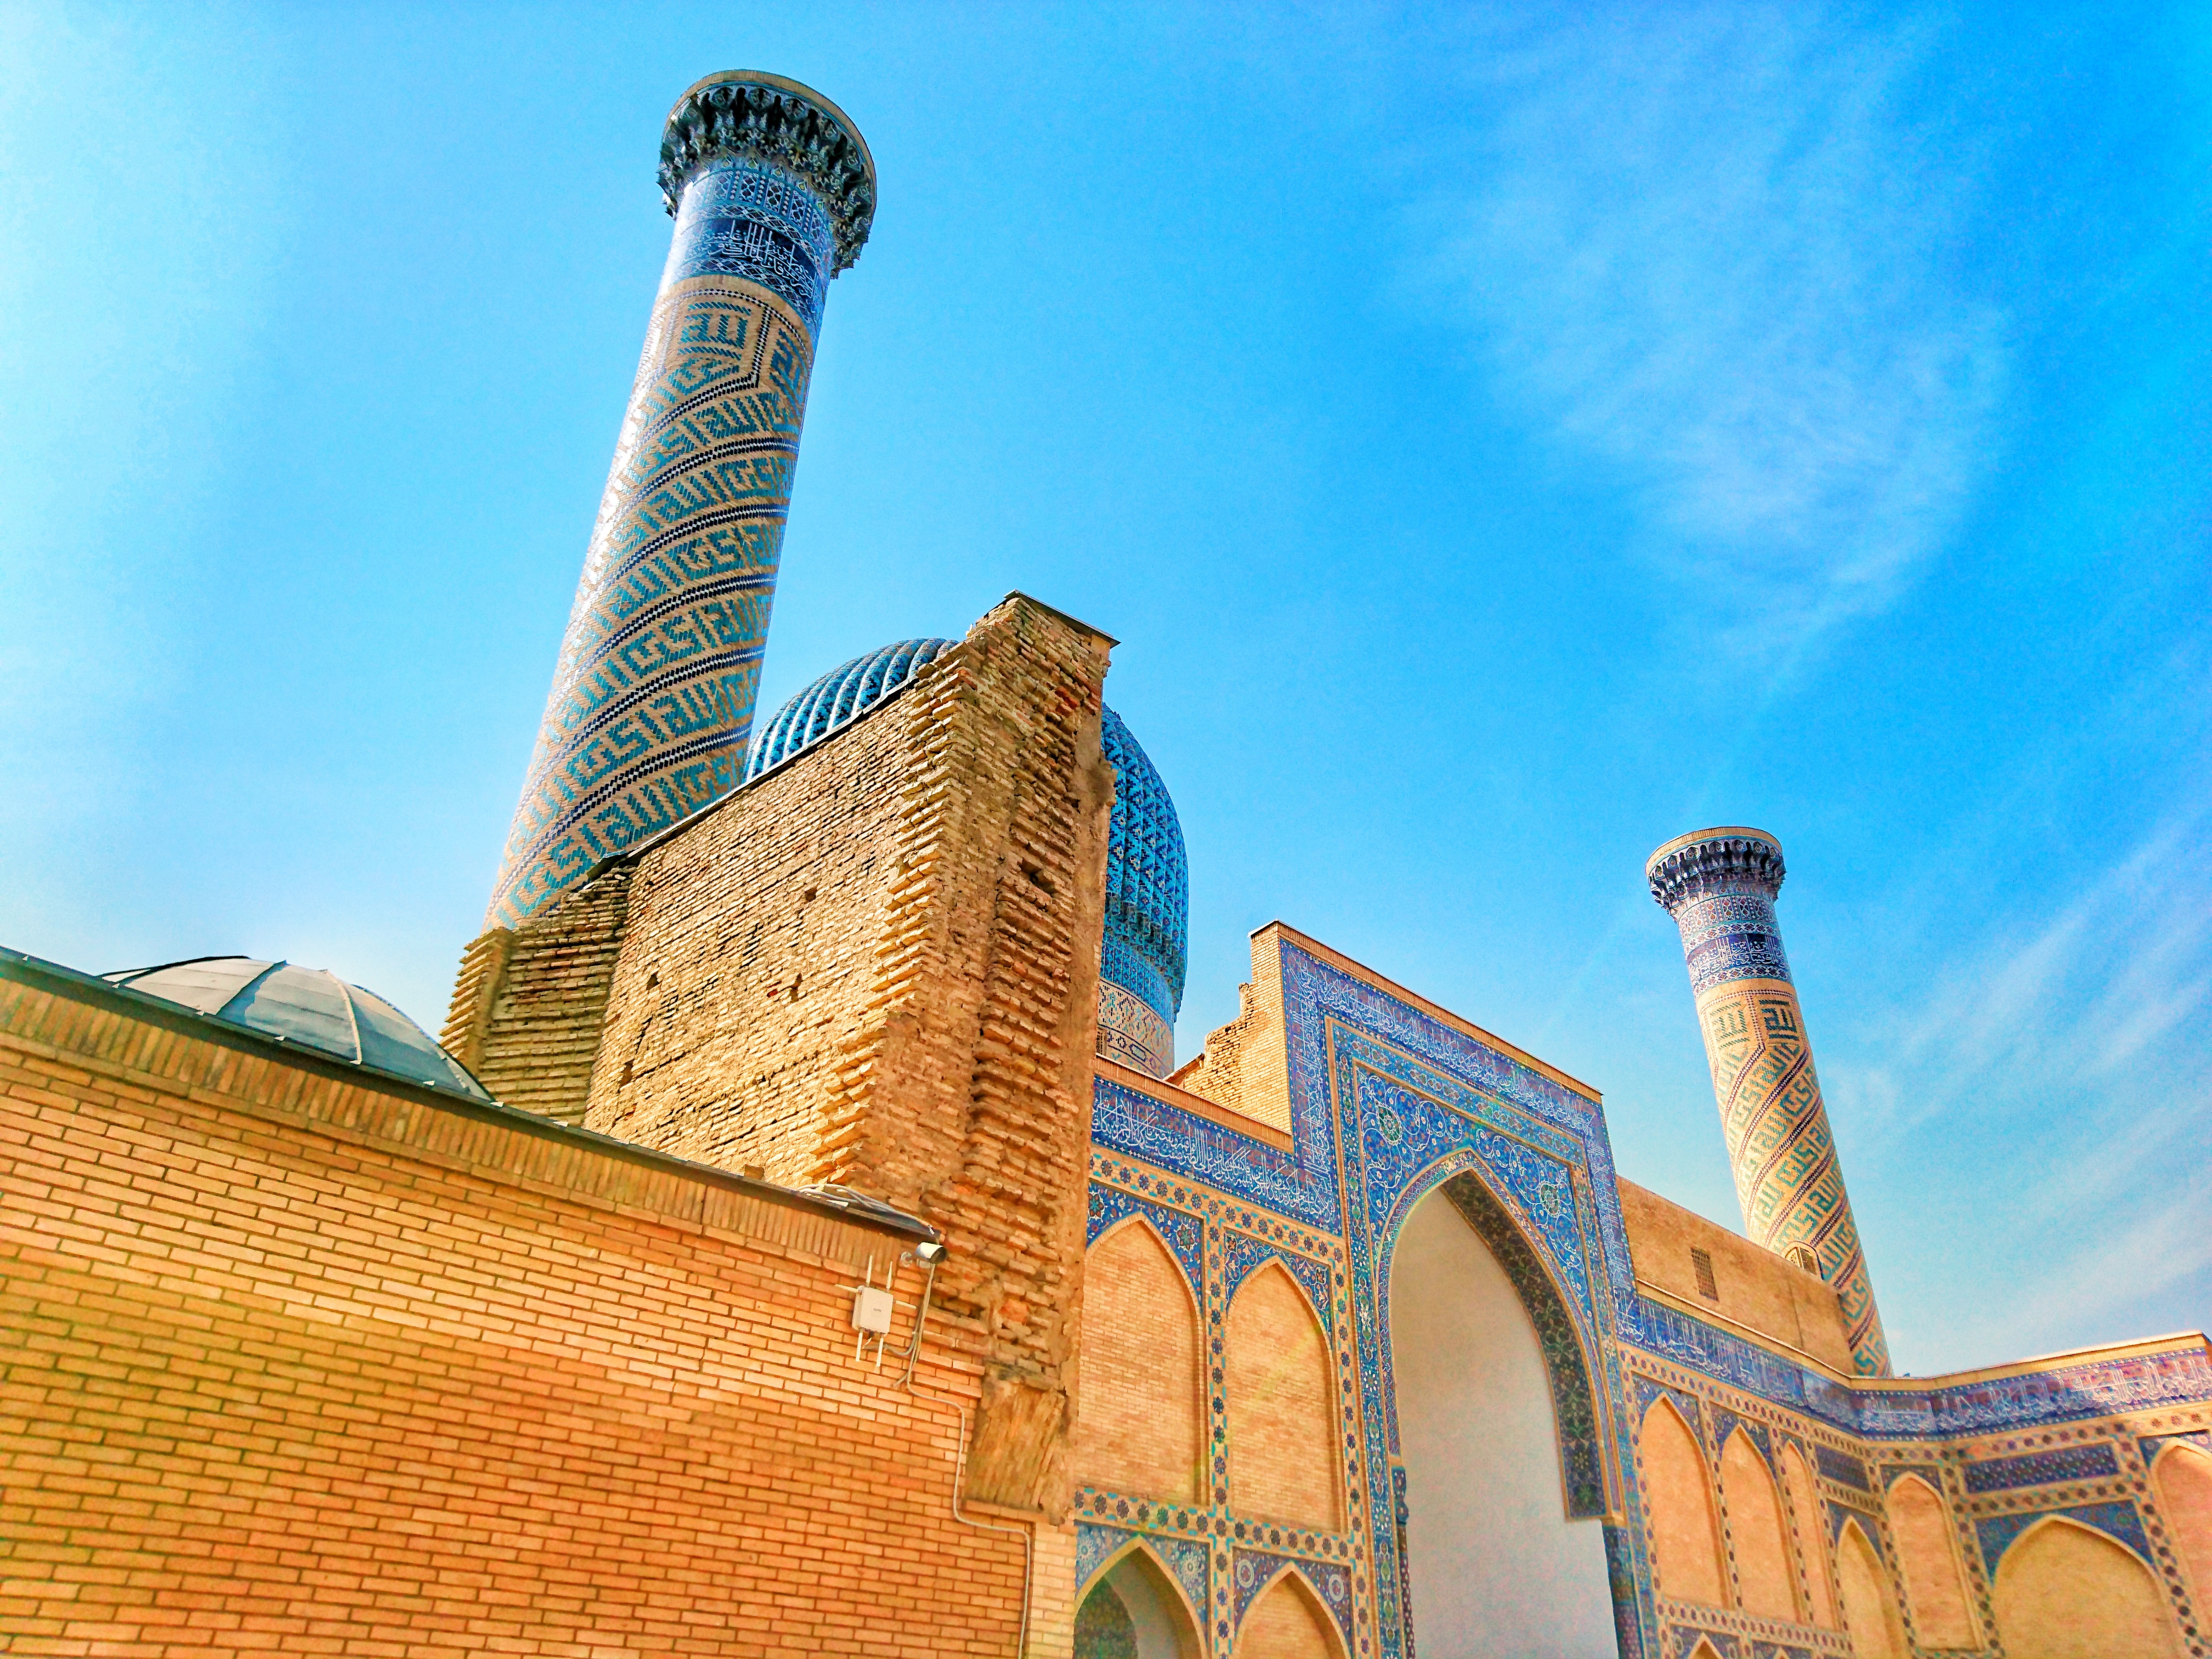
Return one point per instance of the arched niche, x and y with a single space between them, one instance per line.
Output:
1133 1609
1284 1460
1766 1580
2183 1478
2064 1591
1680 1524
1812 1537
1927 1561
1870 1616
1497 1564
1288 1621
1139 1427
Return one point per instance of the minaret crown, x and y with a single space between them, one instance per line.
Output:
1733 859
745 113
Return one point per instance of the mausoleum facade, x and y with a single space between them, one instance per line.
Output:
803 1237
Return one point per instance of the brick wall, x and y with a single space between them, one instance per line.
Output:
1753 1287
297 1361
1283 1459
528 1003
1244 1065
1139 1431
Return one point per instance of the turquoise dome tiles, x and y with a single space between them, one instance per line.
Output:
840 696
1145 949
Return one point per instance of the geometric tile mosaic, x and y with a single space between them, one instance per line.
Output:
2096 1461
2118 1520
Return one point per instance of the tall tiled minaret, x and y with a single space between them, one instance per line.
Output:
1720 887
773 190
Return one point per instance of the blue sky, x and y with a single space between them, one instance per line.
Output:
1503 439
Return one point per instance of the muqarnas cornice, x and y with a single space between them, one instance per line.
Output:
743 114
1731 860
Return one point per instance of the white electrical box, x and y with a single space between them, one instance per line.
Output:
872 1311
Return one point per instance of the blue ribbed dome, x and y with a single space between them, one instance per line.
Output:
839 697
1147 879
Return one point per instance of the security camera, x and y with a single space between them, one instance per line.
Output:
928 1254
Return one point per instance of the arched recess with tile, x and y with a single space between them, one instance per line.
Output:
2064 1591
1927 1560
1288 1621
1138 1424
1499 1565
1766 1581
1811 1539
1134 1610
1870 1614
2183 1477
1284 1460
1680 1523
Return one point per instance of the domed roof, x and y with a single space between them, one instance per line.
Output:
840 696
306 1005
1147 879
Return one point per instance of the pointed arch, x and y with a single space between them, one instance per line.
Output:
1284 1463
2182 1475
1870 1615
1704 1650
1680 1523
2064 1591
1766 1583
1139 1425
1487 1544
1927 1562
1133 1608
1588 1478
1289 1621
1811 1539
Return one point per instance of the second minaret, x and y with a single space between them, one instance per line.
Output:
773 190
1720 886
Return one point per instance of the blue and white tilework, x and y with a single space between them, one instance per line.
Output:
747 217
652 697
2120 1520
1389 1103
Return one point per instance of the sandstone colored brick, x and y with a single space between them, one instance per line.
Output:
296 1363
1139 1432
1765 1577
1680 1523
1288 1622
1284 1461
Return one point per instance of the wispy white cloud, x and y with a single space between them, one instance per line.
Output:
1709 245
2055 1063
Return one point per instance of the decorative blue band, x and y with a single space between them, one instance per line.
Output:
2094 1461
1730 936
751 220
653 697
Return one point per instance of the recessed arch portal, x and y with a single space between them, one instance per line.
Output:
1133 1610
1498 1566
2064 1591
2183 1476
1139 1423
1678 1518
1283 1462
1927 1560
1870 1614
1288 1622
1765 1577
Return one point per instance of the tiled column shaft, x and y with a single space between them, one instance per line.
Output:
773 191
1720 887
